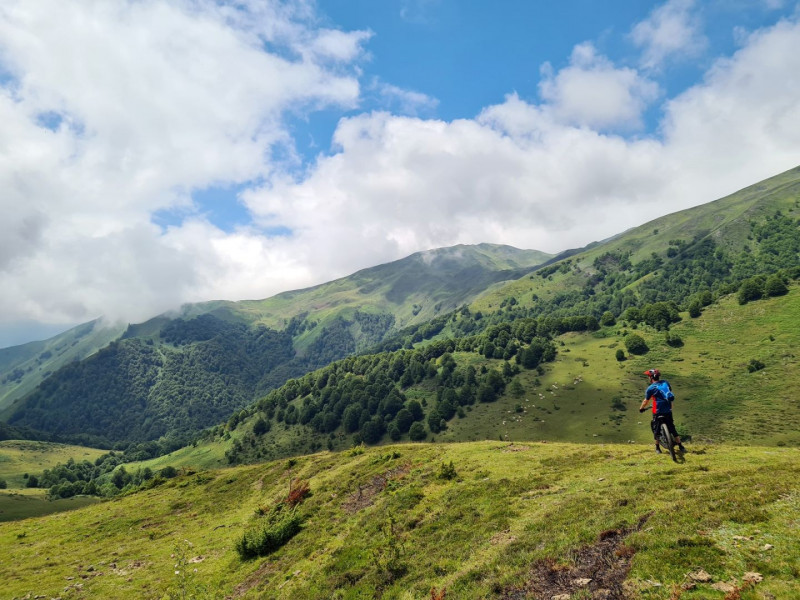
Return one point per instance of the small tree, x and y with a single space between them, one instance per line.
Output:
3 484
620 354
775 286
608 319
695 308
751 289
636 344
32 482
260 427
417 432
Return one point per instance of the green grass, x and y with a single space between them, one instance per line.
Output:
20 457
25 504
478 534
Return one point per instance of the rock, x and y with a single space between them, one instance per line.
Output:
721 586
90 568
700 576
753 577
581 582
768 546
560 597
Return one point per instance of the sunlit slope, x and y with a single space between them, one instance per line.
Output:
385 522
18 457
587 395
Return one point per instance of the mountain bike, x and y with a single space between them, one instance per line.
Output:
665 439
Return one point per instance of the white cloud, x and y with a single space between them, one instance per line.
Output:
402 100
518 174
672 30
155 100
592 92
160 99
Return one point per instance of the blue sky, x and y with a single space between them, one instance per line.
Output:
160 152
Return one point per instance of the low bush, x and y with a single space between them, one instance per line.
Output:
269 533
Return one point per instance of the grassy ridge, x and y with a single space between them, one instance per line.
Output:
383 522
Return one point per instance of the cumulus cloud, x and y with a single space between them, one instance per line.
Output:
671 29
592 92
114 111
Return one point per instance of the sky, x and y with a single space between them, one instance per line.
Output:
155 152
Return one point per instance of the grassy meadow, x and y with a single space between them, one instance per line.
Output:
384 522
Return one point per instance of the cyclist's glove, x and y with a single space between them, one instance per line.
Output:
642 409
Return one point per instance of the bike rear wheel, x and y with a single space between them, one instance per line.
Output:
668 441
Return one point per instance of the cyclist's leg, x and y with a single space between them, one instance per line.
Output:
654 426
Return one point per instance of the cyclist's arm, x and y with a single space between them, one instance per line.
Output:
645 404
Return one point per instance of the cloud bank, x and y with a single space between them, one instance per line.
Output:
113 112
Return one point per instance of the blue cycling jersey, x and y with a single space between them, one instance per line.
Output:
661 393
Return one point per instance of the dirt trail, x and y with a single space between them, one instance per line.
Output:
600 568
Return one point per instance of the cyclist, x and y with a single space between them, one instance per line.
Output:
660 393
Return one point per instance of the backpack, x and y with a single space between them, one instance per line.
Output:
663 397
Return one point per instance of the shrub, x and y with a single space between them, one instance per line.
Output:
168 472
674 340
620 354
260 427
447 471
636 344
32 482
298 493
695 309
3 484
269 533
755 365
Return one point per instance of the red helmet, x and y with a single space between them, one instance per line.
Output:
653 373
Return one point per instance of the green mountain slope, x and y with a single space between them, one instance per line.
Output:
408 291
586 394
23 367
171 377
481 520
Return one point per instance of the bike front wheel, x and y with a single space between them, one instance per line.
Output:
668 440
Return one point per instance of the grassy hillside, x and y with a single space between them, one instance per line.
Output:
524 520
19 457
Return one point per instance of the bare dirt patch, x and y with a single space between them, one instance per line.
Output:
364 496
252 580
599 569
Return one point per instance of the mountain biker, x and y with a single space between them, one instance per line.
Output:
660 392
